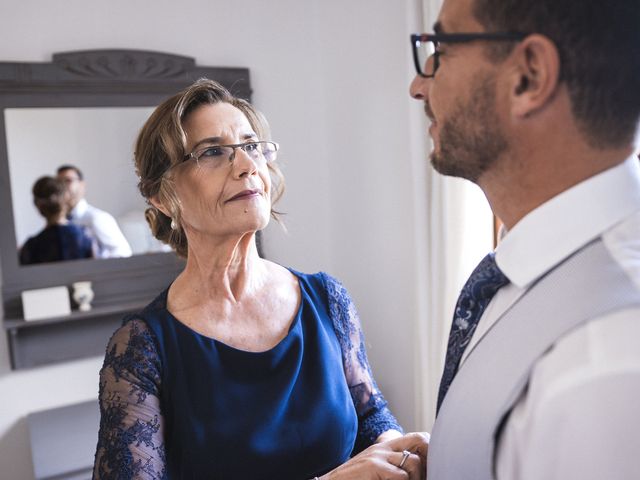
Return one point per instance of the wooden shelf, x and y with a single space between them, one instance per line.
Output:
63 338
74 316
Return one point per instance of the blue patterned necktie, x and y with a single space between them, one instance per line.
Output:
476 294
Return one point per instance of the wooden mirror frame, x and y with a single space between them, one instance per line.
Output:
93 78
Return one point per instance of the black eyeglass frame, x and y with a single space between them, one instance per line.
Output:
234 146
435 38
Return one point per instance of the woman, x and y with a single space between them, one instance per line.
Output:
59 240
241 368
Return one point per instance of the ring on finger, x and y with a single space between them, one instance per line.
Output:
405 455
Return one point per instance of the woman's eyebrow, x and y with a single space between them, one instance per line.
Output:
218 140
207 140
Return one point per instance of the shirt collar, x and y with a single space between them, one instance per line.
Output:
80 208
563 224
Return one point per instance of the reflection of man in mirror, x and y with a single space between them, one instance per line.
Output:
100 224
59 240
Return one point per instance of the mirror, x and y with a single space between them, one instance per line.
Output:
99 141
56 112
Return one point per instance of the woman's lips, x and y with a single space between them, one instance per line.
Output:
245 194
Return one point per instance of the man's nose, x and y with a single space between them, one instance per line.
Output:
419 88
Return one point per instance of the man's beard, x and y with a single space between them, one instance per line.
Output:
471 139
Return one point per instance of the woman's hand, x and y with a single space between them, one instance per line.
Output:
382 461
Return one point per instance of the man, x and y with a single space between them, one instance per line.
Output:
102 227
539 106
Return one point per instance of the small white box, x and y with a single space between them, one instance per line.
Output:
45 302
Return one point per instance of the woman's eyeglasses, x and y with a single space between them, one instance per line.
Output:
218 155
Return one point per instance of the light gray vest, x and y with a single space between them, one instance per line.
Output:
587 285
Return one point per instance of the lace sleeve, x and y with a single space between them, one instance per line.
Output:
130 441
374 416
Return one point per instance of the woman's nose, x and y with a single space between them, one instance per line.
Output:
243 164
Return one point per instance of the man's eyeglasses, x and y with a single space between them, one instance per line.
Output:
218 155
425 46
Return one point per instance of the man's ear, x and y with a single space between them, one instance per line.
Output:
158 204
535 75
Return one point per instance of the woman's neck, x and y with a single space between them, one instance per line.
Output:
227 269
57 220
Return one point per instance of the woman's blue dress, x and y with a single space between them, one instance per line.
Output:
55 243
176 404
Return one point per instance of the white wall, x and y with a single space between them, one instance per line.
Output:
332 76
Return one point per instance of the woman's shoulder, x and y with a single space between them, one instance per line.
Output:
321 287
320 281
292 273
157 306
315 281
69 227
132 355
30 242
133 330
72 232
142 322
46 235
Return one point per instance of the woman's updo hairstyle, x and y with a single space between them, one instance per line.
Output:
49 196
161 145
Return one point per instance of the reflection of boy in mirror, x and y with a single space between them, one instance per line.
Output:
59 240
100 224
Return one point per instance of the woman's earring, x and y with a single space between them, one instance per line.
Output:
174 226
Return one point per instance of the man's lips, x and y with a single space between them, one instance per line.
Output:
245 194
430 116
429 113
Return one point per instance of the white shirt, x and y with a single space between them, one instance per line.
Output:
103 228
580 415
